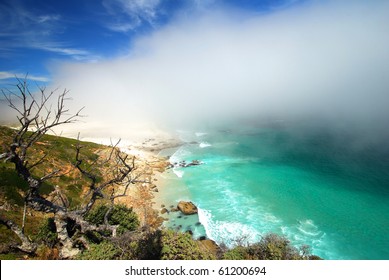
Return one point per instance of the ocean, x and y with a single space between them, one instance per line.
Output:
314 186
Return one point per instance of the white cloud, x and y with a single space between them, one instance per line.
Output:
326 59
76 54
128 15
4 75
48 18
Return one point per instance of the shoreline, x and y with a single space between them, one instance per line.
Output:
164 191
147 197
155 200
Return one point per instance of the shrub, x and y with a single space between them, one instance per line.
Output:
270 247
120 215
181 246
47 233
237 253
106 250
139 245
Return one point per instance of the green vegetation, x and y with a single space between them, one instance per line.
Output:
181 246
270 247
47 233
106 250
119 215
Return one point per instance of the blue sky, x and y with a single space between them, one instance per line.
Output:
37 34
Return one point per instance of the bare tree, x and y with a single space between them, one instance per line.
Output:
37 117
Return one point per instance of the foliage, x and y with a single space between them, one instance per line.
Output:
139 245
47 233
119 215
237 253
10 256
11 185
106 250
181 246
270 247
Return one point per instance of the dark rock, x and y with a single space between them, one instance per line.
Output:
194 163
185 164
198 224
164 210
202 238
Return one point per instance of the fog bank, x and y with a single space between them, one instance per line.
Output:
327 61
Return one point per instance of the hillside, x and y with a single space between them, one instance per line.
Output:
72 185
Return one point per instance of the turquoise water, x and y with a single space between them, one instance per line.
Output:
317 189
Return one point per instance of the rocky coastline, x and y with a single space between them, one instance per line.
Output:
142 197
150 167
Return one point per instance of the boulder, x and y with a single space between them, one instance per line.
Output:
164 210
187 207
210 246
185 164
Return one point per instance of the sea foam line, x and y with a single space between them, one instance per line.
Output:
228 233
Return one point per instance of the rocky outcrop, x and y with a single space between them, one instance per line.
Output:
185 164
210 246
187 207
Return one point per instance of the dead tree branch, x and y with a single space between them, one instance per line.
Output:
37 117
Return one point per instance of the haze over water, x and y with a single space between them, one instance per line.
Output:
306 185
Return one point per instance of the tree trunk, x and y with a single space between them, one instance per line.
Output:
67 250
26 246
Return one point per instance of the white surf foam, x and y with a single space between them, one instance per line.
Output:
228 233
180 155
204 145
179 172
306 232
308 227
